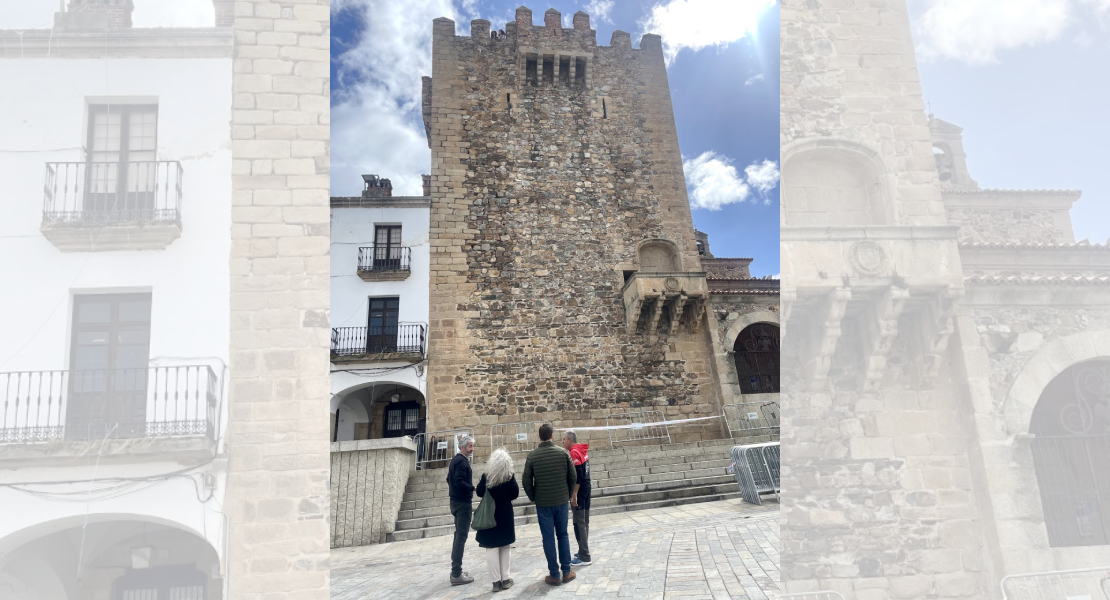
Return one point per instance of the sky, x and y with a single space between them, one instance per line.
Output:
1027 81
723 67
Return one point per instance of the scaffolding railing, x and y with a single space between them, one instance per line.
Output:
756 467
636 427
435 449
515 437
1076 584
751 418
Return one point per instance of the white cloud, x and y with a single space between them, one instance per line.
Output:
714 183
763 177
753 79
697 24
599 9
376 122
975 31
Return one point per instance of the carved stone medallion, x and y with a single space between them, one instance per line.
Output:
867 257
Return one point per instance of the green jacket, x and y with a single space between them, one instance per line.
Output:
549 475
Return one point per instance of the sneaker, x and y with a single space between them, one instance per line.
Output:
549 580
569 577
463 578
579 561
497 586
506 584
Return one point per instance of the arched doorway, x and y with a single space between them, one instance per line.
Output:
380 410
113 560
1071 454
756 352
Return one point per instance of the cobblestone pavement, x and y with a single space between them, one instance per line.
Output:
725 549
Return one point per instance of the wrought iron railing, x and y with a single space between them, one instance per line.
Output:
383 258
150 402
112 192
388 339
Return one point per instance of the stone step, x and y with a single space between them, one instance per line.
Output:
598 475
412 530
604 457
601 485
709 477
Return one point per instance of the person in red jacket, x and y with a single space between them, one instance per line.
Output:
580 499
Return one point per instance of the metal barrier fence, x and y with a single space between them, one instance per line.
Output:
1078 584
515 437
637 426
751 418
435 449
821 595
757 470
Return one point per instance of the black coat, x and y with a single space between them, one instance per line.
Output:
504 532
460 488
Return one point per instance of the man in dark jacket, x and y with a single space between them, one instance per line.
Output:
549 481
580 499
461 490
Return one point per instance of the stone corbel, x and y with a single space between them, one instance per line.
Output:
829 316
656 312
699 315
632 314
887 310
676 312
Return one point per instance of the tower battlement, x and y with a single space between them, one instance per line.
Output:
523 35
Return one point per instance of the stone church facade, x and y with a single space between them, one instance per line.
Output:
567 281
947 362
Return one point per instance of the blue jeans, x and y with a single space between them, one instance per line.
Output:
553 524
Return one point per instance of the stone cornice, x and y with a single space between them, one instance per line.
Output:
872 232
387 202
196 42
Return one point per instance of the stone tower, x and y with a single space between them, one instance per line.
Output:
566 283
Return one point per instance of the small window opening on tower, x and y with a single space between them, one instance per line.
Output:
628 275
701 249
509 102
549 69
530 72
564 70
580 72
604 111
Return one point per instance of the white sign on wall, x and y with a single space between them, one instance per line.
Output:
522 437
441 446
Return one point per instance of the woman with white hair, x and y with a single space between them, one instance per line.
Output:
500 483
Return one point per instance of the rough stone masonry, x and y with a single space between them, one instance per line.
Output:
554 162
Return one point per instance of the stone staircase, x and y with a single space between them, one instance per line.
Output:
623 479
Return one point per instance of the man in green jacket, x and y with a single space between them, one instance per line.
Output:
549 479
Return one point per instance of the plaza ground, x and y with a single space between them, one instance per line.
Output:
712 550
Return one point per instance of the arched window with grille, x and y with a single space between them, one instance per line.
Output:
757 359
1071 451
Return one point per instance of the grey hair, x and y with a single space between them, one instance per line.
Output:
499 468
570 434
464 440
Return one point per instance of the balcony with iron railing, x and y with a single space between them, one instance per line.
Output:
98 206
143 411
406 342
384 263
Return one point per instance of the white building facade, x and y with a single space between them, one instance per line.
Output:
379 313
114 356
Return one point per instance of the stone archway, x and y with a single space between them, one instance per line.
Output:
364 411
1049 362
759 316
112 556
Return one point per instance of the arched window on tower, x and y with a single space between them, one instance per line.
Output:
757 359
1071 451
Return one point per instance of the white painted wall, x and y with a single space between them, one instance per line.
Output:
189 281
351 228
354 227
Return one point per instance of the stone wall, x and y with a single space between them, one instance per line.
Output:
277 440
1004 225
368 479
540 195
726 267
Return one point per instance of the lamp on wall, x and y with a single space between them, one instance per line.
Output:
395 398
140 557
